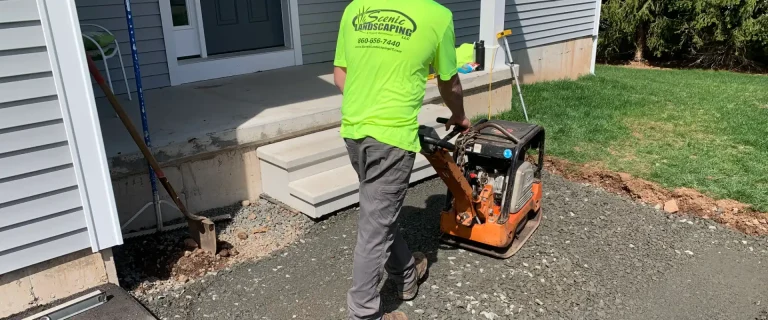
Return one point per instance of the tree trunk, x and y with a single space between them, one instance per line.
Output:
640 42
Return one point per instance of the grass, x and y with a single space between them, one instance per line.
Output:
680 128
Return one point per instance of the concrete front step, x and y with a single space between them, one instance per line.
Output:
319 152
313 174
307 155
329 191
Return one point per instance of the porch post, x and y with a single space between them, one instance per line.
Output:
491 22
595 31
78 106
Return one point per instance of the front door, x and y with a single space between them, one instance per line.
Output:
239 25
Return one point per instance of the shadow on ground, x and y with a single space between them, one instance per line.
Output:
162 256
420 228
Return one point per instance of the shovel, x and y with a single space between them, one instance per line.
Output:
202 229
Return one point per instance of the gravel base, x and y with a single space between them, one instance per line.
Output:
161 262
595 256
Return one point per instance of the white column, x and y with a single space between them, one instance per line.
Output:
492 22
75 92
595 31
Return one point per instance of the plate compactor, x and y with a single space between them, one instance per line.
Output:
493 203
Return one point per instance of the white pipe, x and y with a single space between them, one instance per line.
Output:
171 227
158 213
157 203
136 215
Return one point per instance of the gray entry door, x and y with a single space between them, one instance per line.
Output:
238 25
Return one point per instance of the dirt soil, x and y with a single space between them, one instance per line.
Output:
682 65
728 212
642 65
164 261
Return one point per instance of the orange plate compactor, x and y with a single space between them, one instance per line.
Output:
494 195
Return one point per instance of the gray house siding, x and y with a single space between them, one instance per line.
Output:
319 26
466 19
319 21
540 22
41 213
110 14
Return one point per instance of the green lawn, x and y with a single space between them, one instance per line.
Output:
681 128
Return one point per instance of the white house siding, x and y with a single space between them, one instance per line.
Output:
539 22
110 14
319 21
41 213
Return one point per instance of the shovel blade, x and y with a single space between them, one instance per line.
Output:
204 233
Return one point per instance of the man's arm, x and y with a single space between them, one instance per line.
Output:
448 82
453 97
340 57
339 77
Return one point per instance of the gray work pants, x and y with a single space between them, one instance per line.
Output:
384 172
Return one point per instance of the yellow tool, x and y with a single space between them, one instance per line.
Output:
503 35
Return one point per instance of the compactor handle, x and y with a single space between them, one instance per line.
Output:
444 141
442 120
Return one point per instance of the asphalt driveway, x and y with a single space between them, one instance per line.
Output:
596 256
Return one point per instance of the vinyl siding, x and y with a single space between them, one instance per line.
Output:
319 21
466 19
540 22
41 213
148 27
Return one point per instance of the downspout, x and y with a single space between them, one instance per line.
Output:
595 31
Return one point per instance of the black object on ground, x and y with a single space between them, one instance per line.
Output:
119 305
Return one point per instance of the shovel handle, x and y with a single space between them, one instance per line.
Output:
138 140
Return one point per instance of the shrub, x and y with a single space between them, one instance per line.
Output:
722 34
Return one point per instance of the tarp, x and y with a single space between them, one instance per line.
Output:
465 53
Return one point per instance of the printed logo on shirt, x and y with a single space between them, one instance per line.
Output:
388 21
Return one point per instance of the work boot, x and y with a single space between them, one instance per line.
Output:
420 263
397 315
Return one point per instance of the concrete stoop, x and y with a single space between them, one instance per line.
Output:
313 174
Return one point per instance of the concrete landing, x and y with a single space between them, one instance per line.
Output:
208 116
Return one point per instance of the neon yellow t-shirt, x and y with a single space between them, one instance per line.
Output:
387 47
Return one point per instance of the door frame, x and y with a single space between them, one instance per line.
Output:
220 66
197 44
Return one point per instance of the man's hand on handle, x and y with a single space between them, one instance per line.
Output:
459 122
453 97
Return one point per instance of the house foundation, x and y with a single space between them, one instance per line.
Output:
57 278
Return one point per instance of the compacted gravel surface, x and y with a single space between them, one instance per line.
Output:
595 256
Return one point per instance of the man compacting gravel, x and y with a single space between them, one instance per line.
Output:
383 55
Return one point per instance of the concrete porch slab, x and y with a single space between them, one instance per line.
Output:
198 118
212 115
